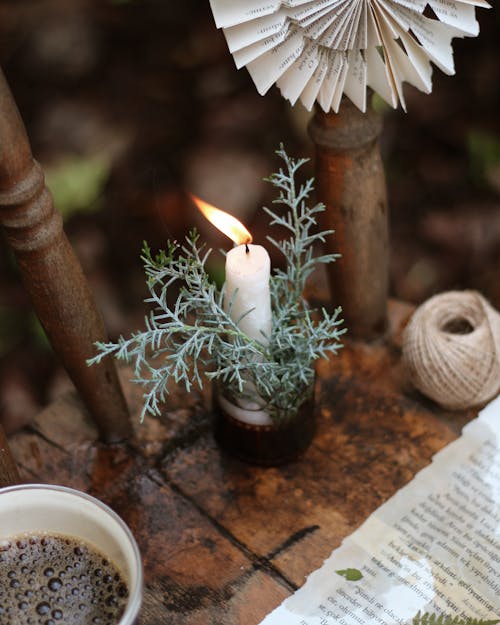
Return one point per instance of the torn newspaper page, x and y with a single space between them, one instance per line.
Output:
300 44
432 547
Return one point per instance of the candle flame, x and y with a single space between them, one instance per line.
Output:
225 222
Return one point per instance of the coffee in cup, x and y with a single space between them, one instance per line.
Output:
67 558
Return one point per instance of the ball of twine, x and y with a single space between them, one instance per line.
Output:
451 349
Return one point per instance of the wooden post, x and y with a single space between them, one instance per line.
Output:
52 274
350 181
9 475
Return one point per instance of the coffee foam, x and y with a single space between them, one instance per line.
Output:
47 579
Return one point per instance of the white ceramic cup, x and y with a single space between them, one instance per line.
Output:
60 510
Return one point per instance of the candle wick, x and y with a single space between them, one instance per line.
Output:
247 250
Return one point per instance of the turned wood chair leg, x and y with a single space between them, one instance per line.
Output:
350 181
53 276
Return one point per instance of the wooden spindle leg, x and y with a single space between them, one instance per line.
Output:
350 181
53 276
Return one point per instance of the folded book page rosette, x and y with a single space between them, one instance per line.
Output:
319 50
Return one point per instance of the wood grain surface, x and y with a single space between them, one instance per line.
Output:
223 542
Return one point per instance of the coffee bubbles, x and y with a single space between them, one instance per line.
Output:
50 579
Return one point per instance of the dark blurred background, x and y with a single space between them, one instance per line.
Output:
128 103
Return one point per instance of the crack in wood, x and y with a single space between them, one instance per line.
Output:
34 430
292 540
258 562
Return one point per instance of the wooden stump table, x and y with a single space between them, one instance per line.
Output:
223 543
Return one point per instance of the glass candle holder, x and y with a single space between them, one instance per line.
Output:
252 436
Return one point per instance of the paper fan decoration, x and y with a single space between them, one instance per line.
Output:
318 50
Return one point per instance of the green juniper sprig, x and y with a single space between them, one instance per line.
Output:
180 339
446 619
196 336
300 221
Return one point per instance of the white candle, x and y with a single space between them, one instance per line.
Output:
248 297
247 290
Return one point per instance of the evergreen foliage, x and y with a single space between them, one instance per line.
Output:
446 619
195 337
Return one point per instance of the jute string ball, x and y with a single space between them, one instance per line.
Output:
451 349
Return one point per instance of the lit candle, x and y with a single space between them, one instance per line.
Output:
247 298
